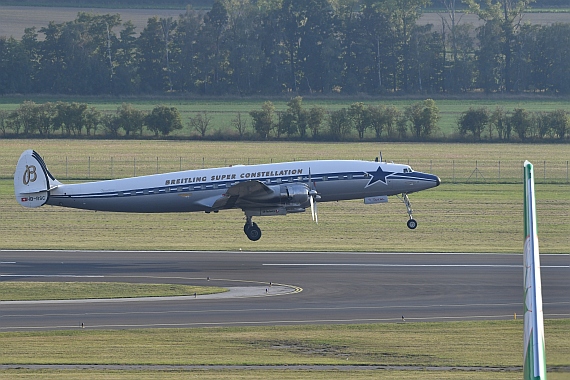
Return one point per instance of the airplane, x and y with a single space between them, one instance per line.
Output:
259 190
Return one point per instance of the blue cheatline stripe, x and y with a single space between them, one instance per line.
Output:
331 177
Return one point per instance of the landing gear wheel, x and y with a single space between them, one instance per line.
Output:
252 231
412 224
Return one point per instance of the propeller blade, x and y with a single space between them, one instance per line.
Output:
312 202
316 215
313 195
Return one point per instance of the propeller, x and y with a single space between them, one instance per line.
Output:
313 196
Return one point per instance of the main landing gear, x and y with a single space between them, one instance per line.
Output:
252 231
412 224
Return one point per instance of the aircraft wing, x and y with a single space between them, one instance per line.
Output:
249 190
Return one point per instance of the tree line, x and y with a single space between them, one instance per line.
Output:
416 122
62 119
252 47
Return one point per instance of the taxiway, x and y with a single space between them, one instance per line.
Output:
273 288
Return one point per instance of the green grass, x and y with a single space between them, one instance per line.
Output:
462 344
26 291
472 216
222 111
259 374
457 217
104 159
452 218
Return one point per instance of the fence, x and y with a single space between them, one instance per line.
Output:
450 171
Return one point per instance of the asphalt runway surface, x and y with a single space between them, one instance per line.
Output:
283 288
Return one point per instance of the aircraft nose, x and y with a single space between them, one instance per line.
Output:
437 181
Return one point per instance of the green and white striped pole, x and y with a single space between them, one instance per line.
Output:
534 354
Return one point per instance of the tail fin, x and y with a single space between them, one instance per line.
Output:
32 180
534 366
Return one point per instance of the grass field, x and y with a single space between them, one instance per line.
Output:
496 344
26 291
476 216
222 111
455 217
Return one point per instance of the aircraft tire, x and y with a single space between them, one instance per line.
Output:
253 233
412 224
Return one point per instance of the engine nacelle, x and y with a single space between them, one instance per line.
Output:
295 194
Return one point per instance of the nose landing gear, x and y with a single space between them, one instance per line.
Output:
411 223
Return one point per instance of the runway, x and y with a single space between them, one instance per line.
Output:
283 288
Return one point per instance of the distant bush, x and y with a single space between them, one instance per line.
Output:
78 120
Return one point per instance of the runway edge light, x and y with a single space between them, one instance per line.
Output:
534 365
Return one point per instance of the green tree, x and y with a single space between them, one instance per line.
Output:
521 121
391 117
559 123
423 117
474 121
111 124
153 55
72 116
24 118
551 67
356 112
130 119
294 119
490 62
376 118
212 57
16 67
286 124
125 61
185 51
92 119
244 45
263 120
76 57
401 16
3 124
340 124
499 121
374 56
315 120
505 16
164 120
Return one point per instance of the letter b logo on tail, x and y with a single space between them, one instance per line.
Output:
30 174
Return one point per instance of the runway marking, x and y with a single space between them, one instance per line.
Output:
409 265
7 262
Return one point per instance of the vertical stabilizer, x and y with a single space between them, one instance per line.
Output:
534 352
32 180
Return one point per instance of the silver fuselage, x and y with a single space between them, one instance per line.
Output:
197 190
